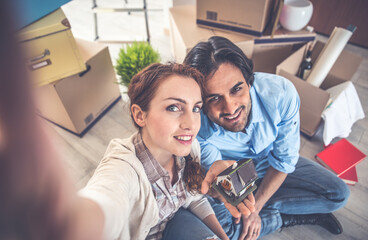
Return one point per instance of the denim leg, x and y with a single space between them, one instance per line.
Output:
225 219
185 225
311 188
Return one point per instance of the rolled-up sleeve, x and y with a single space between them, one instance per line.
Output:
199 206
285 152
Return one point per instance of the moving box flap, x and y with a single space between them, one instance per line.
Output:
292 64
52 23
266 57
313 101
88 49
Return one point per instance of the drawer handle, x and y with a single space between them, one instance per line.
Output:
88 67
44 54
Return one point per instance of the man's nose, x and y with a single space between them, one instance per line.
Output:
228 106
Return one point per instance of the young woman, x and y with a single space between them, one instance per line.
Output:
139 185
142 181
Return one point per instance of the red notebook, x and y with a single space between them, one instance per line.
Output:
350 176
340 156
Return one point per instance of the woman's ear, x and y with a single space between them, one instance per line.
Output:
138 114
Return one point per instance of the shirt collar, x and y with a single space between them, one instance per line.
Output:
208 127
256 111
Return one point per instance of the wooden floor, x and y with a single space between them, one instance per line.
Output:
83 154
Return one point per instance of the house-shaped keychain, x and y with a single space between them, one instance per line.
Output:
237 181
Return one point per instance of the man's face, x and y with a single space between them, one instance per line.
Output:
227 98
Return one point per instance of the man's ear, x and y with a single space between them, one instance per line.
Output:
139 115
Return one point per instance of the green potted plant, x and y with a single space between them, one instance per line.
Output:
134 58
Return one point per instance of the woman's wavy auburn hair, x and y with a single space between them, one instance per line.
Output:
142 90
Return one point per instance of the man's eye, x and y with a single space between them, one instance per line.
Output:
213 99
237 89
196 109
172 108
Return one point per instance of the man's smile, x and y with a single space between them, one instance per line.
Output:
233 117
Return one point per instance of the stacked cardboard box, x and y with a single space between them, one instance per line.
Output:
266 51
75 80
242 16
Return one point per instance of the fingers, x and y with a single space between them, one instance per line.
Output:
249 205
253 233
251 227
256 233
251 198
244 210
246 207
233 210
245 230
216 168
207 182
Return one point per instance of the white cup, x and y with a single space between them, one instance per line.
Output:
295 14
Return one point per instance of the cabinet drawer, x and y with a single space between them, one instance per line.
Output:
52 57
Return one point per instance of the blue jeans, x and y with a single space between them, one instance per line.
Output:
184 226
309 189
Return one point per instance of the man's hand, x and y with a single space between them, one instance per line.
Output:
251 227
245 208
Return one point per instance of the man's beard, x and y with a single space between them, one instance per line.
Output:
239 125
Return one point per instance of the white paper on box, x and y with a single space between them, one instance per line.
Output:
329 55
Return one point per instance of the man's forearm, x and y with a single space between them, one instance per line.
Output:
269 185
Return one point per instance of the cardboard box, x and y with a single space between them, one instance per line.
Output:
266 52
313 99
76 102
242 16
50 49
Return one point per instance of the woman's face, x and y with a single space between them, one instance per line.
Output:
173 119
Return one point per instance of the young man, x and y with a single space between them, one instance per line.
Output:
256 115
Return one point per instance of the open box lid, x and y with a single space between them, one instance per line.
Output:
313 99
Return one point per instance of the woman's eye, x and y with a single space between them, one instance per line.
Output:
196 109
172 108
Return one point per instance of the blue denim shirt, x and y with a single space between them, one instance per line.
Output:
272 136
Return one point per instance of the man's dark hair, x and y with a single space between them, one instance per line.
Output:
208 56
